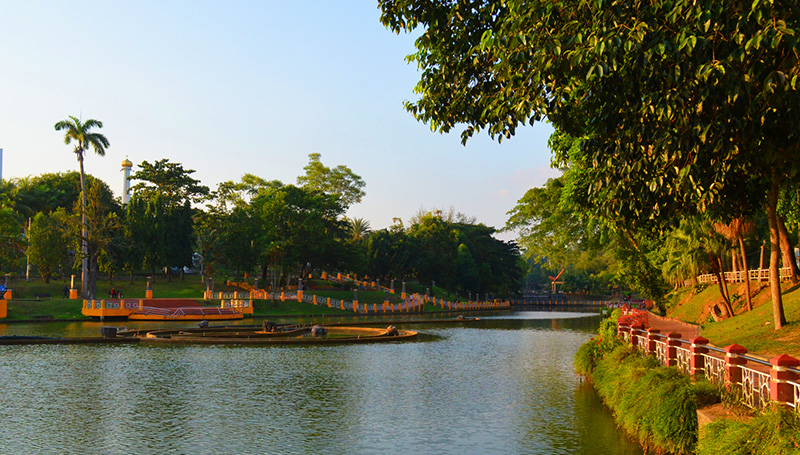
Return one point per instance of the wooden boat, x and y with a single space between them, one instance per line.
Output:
305 335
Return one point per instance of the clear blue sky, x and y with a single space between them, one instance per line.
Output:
228 88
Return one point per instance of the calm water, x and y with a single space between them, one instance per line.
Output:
504 385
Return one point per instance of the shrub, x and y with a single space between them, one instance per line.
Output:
774 431
654 404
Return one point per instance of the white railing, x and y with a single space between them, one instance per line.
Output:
661 352
755 388
682 356
738 277
796 403
641 342
714 369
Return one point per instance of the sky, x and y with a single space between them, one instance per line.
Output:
228 88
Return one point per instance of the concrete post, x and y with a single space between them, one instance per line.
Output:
652 336
780 390
673 341
696 359
148 293
733 363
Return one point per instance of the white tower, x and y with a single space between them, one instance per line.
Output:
1 165
126 184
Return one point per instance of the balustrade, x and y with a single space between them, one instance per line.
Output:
760 382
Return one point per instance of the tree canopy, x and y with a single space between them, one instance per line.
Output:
340 181
683 105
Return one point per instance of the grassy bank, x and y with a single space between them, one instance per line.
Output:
654 404
36 300
751 329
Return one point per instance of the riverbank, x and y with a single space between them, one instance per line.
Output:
661 406
752 329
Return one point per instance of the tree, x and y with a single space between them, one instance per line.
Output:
340 180
81 133
169 180
300 226
735 231
359 229
467 277
164 196
12 243
681 102
434 250
48 243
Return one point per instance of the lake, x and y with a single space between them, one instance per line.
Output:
502 385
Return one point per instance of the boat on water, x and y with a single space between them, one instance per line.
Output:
273 335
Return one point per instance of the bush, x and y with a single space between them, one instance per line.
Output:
774 431
588 354
654 404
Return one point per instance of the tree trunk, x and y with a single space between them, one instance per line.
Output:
746 273
788 251
728 304
716 269
84 234
779 319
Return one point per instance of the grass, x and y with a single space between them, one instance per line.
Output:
752 329
270 308
24 305
773 432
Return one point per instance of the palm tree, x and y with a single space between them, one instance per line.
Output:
80 133
358 228
735 230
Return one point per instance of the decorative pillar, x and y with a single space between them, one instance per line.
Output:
697 348
403 292
148 293
299 289
733 363
73 293
673 341
652 336
255 286
780 390
622 330
391 286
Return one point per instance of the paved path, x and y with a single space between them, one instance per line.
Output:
667 325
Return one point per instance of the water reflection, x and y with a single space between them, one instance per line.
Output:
501 385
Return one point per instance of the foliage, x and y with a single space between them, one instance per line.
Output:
49 192
772 432
169 181
468 279
596 348
340 181
653 403
81 133
48 243
686 107
388 254
12 243
299 226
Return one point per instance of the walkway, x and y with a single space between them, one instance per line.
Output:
667 325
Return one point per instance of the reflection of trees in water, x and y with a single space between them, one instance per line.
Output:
595 422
